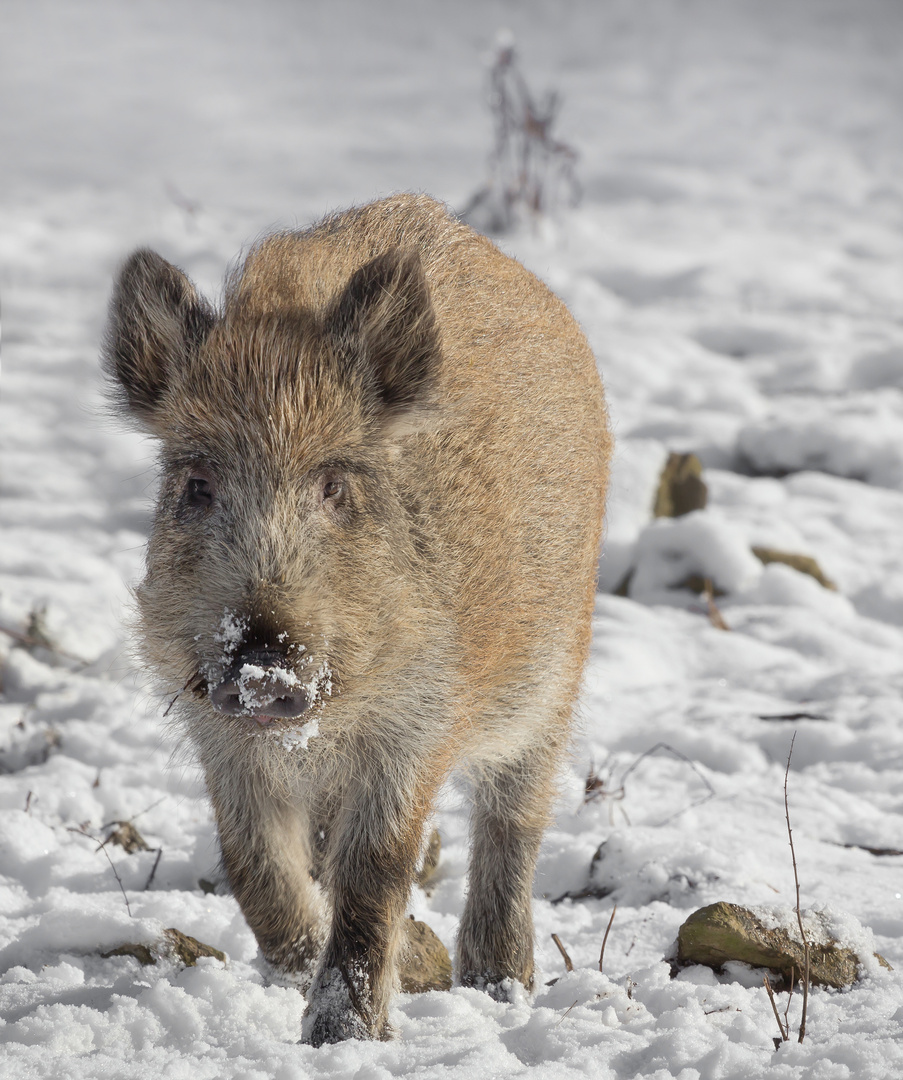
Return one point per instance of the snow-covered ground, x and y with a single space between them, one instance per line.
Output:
737 263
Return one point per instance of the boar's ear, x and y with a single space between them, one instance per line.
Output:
385 330
156 320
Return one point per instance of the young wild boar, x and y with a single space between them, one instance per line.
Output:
383 470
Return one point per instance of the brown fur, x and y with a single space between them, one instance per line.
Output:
395 357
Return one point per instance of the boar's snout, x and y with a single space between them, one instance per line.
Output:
259 684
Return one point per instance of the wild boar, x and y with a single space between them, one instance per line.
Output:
383 462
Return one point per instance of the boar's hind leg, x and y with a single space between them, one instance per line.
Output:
266 852
374 844
509 817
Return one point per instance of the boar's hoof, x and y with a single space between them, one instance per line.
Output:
500 988
332 1026
333 1017
257 684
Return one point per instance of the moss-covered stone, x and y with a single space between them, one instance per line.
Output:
425 963
804 563
681 488
721 932
174 943
141 953
188 949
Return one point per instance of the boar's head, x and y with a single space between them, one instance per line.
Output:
287 551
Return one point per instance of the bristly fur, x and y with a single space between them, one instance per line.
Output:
384 462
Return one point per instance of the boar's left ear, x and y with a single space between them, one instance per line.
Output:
385 331
156 320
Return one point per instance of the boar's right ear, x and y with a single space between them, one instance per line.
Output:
156 320
385 331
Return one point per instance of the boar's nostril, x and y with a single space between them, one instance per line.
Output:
288 705
226 698
258 685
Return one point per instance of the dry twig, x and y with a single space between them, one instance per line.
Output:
681 757
784 1029
566 1011
118 879
715 616
147 883
30 641
567 960
530 169
796 879
614 911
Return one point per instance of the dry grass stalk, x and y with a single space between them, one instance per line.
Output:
783 1027
150 879
796 879
40 641
597 787
531 171
567 960
715 617
614 911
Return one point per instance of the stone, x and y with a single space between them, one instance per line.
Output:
425 963
188 949
681 488
722 932
174 943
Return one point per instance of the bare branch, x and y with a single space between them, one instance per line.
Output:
147 883
785 1032
118 879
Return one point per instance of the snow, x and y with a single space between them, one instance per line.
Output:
737 263
670 550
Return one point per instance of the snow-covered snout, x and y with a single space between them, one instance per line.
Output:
258 684
260 673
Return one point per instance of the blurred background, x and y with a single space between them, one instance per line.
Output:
280 110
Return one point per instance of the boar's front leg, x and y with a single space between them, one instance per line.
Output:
374 843
510 815
265 843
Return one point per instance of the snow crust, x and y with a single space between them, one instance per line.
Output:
737 264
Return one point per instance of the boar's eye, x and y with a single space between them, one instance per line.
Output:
199 490
331 487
